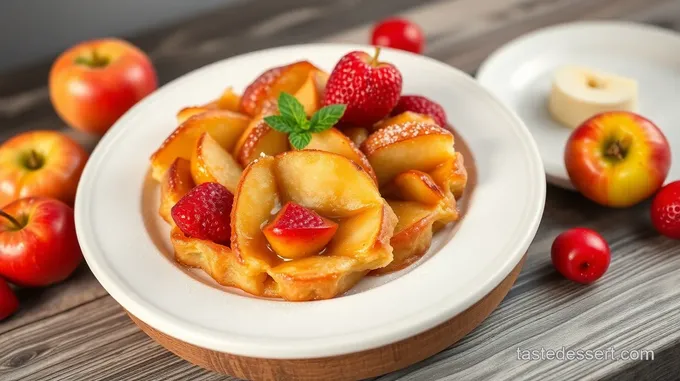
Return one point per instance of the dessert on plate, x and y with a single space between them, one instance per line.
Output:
308 181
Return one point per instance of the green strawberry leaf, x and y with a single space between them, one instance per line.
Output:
290 108
279 123
299 140
326 117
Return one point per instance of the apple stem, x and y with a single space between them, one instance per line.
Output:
374 61
11 219
614 151
94 61
34 161
618 148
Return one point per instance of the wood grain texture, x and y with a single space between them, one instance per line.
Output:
75 331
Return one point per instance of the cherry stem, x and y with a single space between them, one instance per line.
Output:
34 161
11 219
374 61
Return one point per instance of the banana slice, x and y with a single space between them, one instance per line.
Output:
580 92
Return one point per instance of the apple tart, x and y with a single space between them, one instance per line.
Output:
303 218
421 185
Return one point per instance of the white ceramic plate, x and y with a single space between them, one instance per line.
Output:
119 229
520 74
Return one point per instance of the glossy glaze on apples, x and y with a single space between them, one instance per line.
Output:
365 199
422 186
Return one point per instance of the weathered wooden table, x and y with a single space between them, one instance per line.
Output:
76 331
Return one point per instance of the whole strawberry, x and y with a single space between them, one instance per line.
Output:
665 210
368 87
421 105
204 213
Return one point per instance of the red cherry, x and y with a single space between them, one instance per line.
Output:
8 301
581 255
665 211
399 33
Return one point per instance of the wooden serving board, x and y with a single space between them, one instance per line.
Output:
349 367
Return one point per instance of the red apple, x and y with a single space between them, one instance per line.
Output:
298 232
38 244
95 82
617 158
40 163
8 301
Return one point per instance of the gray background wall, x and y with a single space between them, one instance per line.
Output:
38 29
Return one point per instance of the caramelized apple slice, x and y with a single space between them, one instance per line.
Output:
175 184
320 181
414 185
310 94
452 175
359 236
229 100
404 117
402 147
332 140
260 140
188 112
255 200
356 134
210 163
223 126
412 235
271 83
298 232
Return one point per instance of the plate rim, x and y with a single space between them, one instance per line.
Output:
553 178
168 324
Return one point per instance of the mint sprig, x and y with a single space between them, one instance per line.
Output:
293 120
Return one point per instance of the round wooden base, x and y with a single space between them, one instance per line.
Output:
353 366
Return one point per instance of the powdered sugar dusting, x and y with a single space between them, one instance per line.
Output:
400 132
257 89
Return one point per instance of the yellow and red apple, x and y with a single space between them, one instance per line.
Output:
617 159
40 163
95 82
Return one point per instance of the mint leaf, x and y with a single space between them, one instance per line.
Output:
299 140
290 108
279 123
326 117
